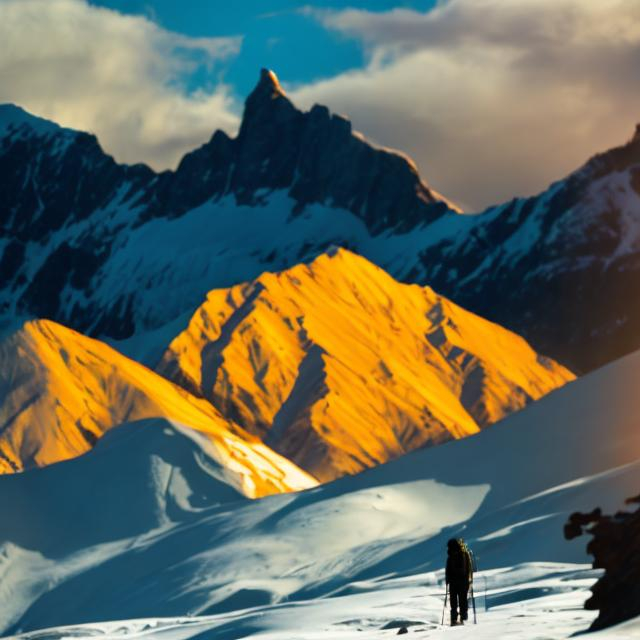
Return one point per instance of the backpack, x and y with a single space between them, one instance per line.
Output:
470 557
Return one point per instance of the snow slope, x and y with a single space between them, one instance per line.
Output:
339 367
530 602
337 558
61 391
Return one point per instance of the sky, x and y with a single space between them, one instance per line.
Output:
492 98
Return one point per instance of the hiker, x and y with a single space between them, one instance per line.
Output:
458 576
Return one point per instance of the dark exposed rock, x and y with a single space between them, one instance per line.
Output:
317 155
52 182
72 265
401 624
314 156
615 547
635 180
10 262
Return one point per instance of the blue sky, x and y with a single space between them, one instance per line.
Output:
276 34
491 98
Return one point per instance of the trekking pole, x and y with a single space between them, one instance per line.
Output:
446 594
473 603
486 606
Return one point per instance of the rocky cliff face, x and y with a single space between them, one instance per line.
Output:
615 547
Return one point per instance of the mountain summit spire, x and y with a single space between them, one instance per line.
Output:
269 82
266 107
267 89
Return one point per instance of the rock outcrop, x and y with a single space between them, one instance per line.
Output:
615 547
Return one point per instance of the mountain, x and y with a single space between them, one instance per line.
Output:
97 245
561 268
63 391
339 367
116 251
351 556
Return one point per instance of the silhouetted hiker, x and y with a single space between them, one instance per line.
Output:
458 576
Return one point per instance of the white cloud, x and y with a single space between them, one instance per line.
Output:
116 75
493 98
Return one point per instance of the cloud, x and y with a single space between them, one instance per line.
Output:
493 98
120 76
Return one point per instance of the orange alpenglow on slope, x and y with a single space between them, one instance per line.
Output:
339 367
61 391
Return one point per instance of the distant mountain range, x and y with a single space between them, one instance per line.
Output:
112 249
561 268
115 250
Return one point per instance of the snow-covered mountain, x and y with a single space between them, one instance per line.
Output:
339 367
61 392
116 250
112 249
561 268
351 556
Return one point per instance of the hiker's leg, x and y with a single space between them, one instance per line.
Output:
464 604
453 598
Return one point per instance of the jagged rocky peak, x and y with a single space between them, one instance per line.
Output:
267 105
313 156
317 157
268 97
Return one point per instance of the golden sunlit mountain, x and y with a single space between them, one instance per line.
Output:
62 391
339 367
